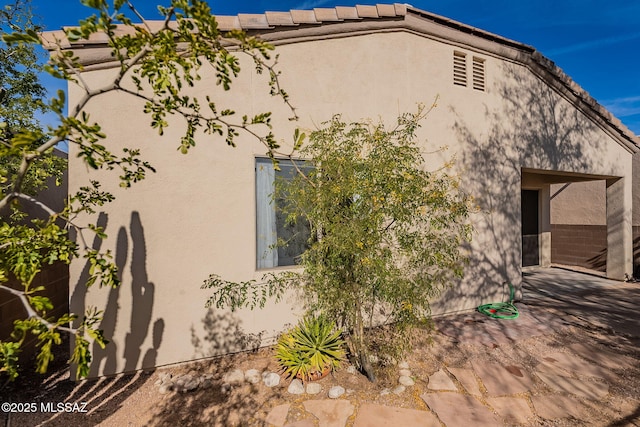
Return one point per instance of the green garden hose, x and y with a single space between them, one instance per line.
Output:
501 310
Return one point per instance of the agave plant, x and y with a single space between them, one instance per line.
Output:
311 349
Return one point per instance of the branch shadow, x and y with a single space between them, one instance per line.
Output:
105 361
598 262
216 405
589 301
104 395
223 334
531 127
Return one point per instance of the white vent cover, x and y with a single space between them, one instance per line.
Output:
459 69
478 74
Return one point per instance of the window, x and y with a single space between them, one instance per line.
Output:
271 223
478 73
459 69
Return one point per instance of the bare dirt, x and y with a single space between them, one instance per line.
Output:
135 400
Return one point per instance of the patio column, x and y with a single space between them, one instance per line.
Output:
545 226
619 231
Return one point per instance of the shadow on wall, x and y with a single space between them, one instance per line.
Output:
105 361
223 334
598 262
532 127
142 296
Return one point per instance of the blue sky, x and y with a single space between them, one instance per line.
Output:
596 43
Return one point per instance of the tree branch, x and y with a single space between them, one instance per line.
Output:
31 313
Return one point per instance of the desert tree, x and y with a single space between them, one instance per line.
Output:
386 235
154 61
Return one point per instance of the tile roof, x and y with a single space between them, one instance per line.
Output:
300 23
265 21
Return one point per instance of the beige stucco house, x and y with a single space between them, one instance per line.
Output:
516 125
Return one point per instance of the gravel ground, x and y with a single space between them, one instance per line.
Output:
135 400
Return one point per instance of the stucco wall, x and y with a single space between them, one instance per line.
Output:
579 218
579 203
196 216
579 224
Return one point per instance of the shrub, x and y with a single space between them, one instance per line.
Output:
310 349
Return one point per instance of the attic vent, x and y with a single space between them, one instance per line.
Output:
459 69
478 73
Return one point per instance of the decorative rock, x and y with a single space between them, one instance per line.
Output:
270 379
314 388
406 381
225 388
403 365
352 370
296 387
190 385
234 377
205 383
405 373
336 391
182 380
385 391
399 389
165 388
252 376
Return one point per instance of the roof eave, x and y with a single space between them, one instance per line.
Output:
321 23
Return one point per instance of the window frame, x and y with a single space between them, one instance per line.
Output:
267 226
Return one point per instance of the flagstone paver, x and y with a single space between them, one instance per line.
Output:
330 413
459 410
574 382
575 365
487 331
602 357
501 380
511 409
594 390
441 381
467 378
278 415
370 415
556 406
302 423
